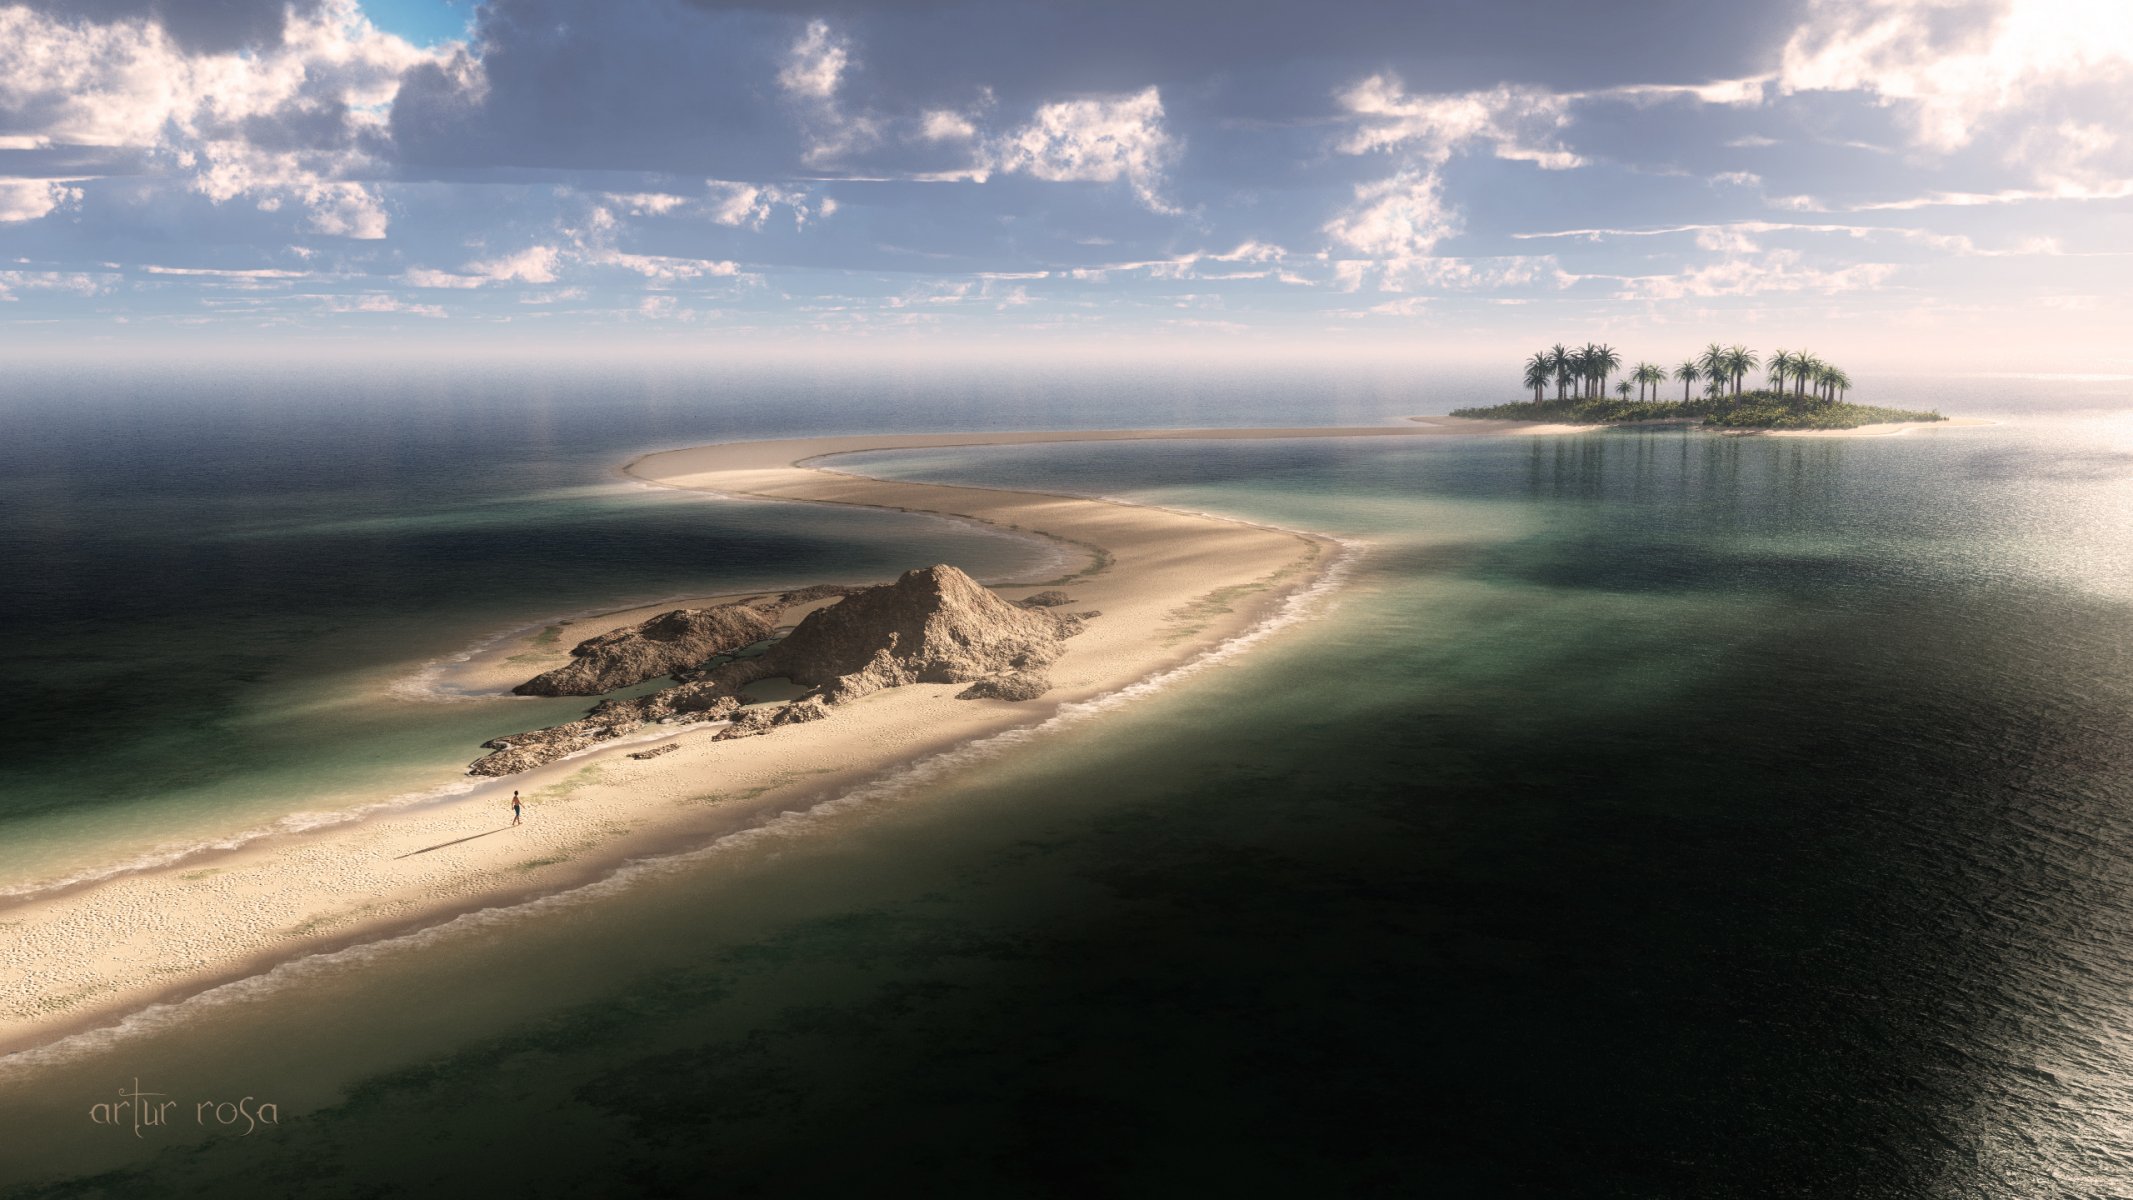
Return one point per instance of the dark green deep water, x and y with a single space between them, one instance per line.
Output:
1651 815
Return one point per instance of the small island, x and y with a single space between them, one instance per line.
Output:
1816 399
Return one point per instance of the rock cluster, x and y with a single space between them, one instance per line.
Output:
656 751
515 752
1050 599
933 625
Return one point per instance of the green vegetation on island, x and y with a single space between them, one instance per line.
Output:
1816 399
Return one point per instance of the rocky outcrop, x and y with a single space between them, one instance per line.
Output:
671 642
934 625
1050 599
1022 685
656 751
667 643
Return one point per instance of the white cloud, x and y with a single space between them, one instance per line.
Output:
1100 140
640 204
660 268
1780 271
534 264
126 84
1517 123
29 199
1403 217
1738 93
80 283
426 277
2114 189
1953 76
941 125
815 65
751 204
377 302
1399 221
1729 239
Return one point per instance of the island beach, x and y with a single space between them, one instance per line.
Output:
1173 588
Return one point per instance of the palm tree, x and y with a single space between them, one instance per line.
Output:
1650 376
1783 365
1688 373
1622 389
1559 362
1581 369
1739 361
1838 382
1538 373
1805 366
1715 367
1605 362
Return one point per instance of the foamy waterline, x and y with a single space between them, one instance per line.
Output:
1296 607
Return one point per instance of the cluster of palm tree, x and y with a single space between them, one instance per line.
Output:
1718 368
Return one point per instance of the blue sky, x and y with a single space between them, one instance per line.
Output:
1894 180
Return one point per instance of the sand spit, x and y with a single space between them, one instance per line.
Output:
1173 587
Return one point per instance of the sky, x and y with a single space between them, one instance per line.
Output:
1913 181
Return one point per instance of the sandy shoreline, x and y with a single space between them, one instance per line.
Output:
1172 586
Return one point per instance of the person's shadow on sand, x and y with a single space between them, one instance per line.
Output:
454 842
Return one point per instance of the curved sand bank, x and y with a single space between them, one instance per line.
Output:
1171 586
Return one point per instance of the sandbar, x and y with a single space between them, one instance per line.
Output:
1172 587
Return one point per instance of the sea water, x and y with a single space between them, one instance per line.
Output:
1649 813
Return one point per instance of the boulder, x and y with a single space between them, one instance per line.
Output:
1050 599
656 751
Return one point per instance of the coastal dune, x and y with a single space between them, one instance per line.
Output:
1170 585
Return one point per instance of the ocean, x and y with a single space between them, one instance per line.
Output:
1649 814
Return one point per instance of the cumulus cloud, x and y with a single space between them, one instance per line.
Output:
29 199
1100 140
1398 218
749 205
294 120
534 264
816 63
944 125
1398 221
1957 70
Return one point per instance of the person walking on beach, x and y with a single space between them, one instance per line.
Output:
514 808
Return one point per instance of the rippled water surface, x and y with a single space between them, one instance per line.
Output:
1652 814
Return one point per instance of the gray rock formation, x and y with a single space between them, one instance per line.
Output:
934 625
1022 685
1050 599
671 642
656 751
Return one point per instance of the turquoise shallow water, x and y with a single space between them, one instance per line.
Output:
1652 814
